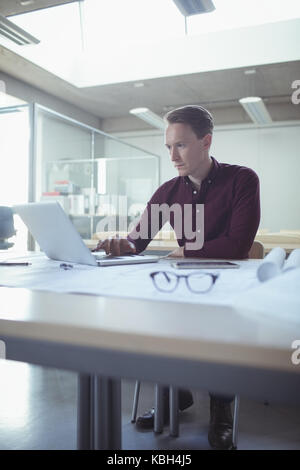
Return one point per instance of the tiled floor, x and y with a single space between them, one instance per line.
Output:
38 411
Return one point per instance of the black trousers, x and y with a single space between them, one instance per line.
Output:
184 397
224 398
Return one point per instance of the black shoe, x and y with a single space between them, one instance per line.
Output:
146 421
221 424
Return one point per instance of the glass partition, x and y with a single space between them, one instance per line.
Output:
102 183
14 151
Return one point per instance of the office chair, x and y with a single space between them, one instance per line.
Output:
7 229
256 252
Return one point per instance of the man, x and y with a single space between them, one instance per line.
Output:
230 194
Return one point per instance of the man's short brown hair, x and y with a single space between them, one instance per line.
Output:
200 120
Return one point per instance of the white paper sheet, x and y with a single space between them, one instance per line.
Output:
132 281
279 298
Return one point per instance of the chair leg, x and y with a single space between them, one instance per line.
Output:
174 412
235 422
158 409
135 401
158 417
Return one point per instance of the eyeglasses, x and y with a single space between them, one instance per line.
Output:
199 282
66 266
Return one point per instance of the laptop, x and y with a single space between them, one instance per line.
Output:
59 240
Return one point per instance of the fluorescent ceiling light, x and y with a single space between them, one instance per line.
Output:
194 7
256 109
148 116
25 3
14 33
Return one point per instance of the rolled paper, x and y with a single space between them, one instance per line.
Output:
293 260
272 264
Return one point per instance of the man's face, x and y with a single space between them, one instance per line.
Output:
188 153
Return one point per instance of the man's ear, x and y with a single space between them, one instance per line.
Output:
207 141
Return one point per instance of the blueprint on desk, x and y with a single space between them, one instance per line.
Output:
237 287
277 298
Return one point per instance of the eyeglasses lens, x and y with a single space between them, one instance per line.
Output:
199 282
165 281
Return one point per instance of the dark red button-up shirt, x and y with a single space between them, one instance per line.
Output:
230 194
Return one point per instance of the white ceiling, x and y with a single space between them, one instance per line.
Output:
216 89
116 41
219 90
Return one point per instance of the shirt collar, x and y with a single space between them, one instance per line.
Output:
214 169
212 172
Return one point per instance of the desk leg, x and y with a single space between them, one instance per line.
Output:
235 422
135 401
158 409
85 412
107 413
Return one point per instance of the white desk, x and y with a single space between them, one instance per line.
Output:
188 345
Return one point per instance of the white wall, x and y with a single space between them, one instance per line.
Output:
273 152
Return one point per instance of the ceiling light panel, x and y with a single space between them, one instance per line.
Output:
256 109
148 116
194 7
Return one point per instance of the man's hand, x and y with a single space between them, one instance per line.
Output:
178 253
116 246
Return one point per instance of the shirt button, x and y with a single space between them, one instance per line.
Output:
194 192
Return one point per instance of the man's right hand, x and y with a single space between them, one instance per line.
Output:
116 246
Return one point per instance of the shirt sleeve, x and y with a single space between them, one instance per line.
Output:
244 222
146 228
